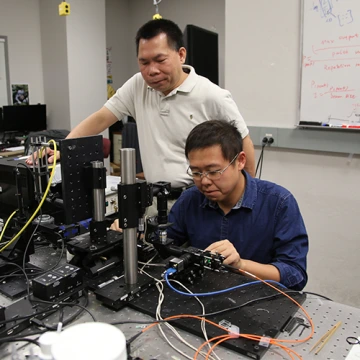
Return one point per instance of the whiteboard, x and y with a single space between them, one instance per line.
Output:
330 67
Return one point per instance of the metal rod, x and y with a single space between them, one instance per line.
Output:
130 255
98 197
128 166
39 169
128 177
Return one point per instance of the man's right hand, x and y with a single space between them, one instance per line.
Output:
115 226
49 152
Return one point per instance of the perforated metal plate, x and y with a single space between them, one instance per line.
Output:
264 318
75 155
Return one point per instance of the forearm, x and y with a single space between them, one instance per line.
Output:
248 148
263 271
94 124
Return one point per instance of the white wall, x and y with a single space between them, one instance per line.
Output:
55 65
86 52
20 22
262 59
262 72
119 39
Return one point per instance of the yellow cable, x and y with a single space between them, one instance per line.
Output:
6 224
39 206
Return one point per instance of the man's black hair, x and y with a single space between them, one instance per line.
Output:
161 26
215 132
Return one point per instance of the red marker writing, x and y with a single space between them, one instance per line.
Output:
351 126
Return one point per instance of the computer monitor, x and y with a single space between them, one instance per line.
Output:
202 51
23 118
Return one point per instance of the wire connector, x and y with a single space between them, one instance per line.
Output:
171 271
38 323
64 8
157 16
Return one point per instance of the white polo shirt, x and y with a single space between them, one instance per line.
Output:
164 122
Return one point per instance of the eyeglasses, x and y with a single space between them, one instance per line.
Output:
211 175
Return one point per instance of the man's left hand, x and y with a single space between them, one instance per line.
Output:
226 249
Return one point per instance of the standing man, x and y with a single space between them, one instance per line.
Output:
167 99
255 224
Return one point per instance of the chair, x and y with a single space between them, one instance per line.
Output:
106 147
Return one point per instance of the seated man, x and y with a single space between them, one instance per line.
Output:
255 224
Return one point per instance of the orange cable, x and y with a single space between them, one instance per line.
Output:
294 301
246 336
254 337
207 342
225 338
216 344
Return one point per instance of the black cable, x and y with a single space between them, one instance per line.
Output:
248 303
14 274
144 322
75 315
57 263
205 315
66 321
15 338
37 273
261 165
30 239
41 244
39 220
7 237
322 296
61 315
50 311
24 273
5 340
27 167
67 304
23 269
260 157
133 338
34 272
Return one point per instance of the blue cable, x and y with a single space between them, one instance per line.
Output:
172 271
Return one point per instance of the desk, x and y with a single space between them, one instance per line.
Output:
151 345
11 153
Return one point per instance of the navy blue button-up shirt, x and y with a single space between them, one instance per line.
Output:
265 226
